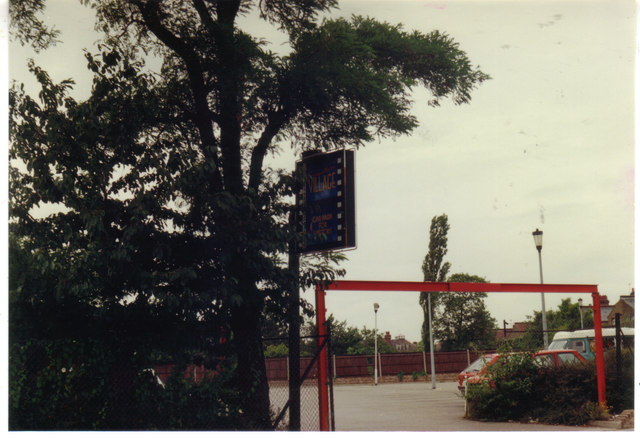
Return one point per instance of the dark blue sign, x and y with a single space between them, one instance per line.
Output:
329 211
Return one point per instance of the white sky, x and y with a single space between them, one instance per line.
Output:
548 143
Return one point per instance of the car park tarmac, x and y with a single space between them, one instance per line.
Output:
416 406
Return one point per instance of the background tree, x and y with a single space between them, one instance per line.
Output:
462 320
345 339
168 232
565 318
434 269
367 344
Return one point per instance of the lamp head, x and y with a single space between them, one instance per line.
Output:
537 238
375 307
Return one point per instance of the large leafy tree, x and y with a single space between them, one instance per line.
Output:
462 319
167 228
434 269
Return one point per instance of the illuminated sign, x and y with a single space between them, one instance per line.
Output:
328 201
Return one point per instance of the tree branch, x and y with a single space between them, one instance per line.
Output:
202 117
276 120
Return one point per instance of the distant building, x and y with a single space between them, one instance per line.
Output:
400 343
626 308
518 330
605 310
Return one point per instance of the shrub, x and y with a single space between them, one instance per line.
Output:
563 394
620 391
517 390
506 394
276 351
208 404
59 385
400 376
86 385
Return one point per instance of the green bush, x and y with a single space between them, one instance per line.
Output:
183 404
564 394
506 394
276 351
517 390
86 385
50 389
620 392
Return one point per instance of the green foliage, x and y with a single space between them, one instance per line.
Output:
565 318
527 342
343 337
276 351
146 212
87 385
506 392
346 340
415 375
620 389
27 27
518 390
401 376
462 320
459 320
183 404
366 346
63 385
434 269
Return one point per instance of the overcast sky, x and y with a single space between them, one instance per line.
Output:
548 143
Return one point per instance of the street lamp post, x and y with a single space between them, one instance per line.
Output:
537 238
375 344
580 308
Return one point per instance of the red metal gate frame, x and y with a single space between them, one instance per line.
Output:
347 285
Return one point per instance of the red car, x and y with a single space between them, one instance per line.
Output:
476 372
558 357
477 367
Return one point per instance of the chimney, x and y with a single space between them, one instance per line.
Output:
387 337
604 301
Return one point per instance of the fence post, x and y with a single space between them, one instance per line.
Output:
618 352
424 364
466 402
597 327
468 359
335 375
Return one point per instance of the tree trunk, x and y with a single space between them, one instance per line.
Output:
251 373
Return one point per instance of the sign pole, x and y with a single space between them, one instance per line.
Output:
294 328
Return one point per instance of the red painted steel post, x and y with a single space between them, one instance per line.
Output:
323 393
597 326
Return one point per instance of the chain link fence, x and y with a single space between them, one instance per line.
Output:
278 376
85 385
67 385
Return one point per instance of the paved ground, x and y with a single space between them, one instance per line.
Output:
416 407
